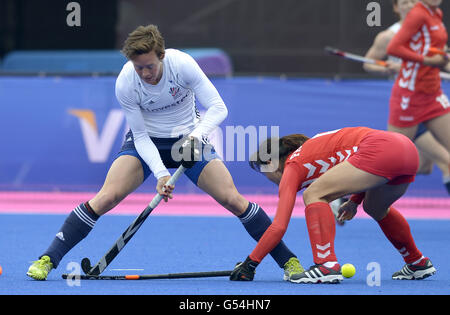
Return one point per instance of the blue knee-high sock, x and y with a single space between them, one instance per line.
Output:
446 180
256 222
76 227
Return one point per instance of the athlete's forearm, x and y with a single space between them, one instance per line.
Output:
399 47
149 153
213 117
375 69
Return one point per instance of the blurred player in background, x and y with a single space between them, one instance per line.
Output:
157 89
430 150
417 96
376 166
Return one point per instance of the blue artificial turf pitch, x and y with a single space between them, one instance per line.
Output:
191 244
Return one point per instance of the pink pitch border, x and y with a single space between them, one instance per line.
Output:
191 205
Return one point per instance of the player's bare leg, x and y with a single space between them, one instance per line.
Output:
378 200
440 131
440 128
332 185
124 176
430 152
216 181
410 132
425 162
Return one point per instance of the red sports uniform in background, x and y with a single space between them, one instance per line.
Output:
417 95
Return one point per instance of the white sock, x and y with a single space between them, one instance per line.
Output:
418 260
330 264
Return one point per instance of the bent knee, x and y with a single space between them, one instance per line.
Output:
309 195
312 194
233 202
377 213
105 201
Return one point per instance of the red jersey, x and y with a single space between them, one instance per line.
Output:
302 167
323 151
382 153
421 30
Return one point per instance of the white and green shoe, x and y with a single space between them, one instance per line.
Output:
292 267
40 269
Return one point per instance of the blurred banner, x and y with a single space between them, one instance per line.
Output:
261 36
61 134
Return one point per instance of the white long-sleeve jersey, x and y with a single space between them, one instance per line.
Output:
168 109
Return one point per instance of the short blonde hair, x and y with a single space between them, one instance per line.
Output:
143 40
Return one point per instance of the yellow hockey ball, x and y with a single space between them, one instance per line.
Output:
348 270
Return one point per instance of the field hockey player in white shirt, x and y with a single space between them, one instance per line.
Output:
157 89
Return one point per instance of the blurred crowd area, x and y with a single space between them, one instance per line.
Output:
259 36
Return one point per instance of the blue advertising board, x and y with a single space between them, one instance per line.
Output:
62 133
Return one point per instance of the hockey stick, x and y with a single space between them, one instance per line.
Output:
358 58
207 274
439 52
444 75
128 234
